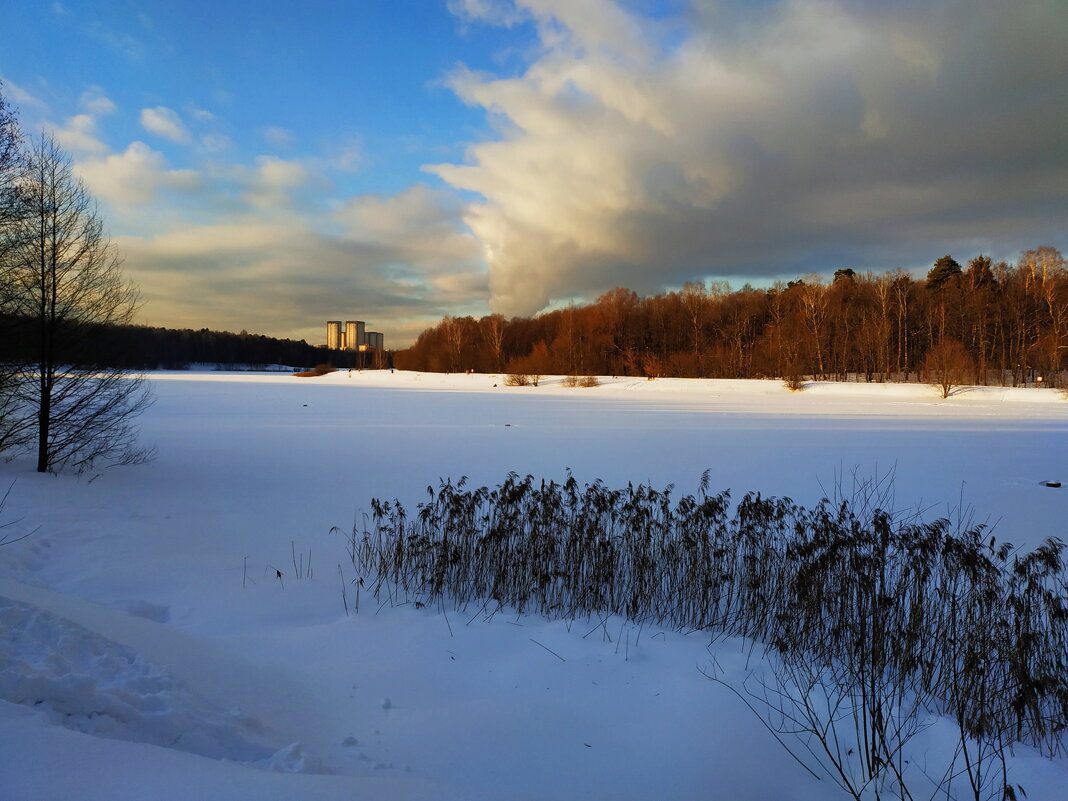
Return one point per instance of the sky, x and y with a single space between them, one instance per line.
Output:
269 165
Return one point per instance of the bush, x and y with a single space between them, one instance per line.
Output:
518 380
589 381
793 380
947 365
570 381
318 370
535 365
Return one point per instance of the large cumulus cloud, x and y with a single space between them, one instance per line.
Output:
761 139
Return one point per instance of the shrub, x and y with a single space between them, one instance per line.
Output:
652 366
318 370
535 365
793 380
948 365
570 381
589 381
517 380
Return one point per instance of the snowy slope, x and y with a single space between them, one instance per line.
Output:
150 651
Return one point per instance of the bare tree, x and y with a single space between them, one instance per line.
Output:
12 423
814 308
493 335
1051 288
948 365
67 291
455 335
10 160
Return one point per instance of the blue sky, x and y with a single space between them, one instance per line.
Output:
362 78
271 165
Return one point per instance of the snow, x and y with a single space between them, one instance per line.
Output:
148 649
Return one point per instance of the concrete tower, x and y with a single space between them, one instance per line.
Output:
354 334
333 334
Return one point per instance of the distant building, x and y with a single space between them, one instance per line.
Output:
335 337
375 345
354 335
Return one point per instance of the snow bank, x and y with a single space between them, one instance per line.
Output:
89 683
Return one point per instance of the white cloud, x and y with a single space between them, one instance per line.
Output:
95 102
348 158
279 138
19 95
271 183
625 155
78 135
494 12
273 173
215 143
166 123
420 226
133 177
123 43
346 155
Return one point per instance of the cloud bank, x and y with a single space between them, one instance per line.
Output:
739 139
402 262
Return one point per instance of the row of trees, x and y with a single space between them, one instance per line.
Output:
169 348
139 347
1009 320
61 287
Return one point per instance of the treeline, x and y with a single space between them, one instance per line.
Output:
1010 322
167 348
148 348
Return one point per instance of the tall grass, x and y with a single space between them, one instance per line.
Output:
891 614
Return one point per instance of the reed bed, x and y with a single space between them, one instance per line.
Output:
930 616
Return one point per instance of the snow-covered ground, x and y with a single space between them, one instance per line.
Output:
149 651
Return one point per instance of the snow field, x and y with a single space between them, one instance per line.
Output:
146 610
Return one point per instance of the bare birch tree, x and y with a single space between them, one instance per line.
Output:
493 335
67 290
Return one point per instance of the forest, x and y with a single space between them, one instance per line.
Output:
997 323
138 347
168 348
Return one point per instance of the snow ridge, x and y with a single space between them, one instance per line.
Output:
84 681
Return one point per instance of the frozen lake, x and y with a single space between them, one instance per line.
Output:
174 562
